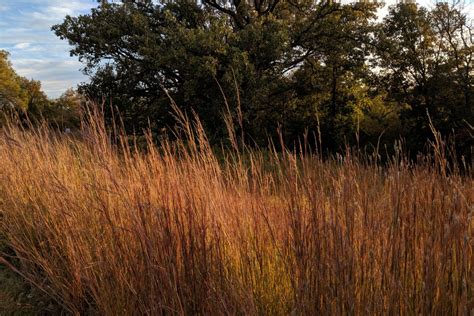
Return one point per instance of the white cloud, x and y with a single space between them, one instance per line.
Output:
22 45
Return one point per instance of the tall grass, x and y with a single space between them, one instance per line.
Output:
105 228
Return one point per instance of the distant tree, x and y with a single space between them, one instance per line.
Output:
12 95
36 101
66 111
455 89
425 64
26 98
336 69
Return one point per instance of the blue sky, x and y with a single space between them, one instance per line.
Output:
35 52
25 31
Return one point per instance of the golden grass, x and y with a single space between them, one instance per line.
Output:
106 228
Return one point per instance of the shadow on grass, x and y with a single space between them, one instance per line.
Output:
17 297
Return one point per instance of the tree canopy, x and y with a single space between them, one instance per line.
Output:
11 94
291 65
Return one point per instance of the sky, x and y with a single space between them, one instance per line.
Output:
36 53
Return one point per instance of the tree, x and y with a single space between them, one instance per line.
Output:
139 52
24 97
336 69
11 94
456 42
36 101
66 111
425 61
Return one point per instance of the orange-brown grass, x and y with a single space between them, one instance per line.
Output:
105 228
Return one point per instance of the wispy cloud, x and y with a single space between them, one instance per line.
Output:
22 45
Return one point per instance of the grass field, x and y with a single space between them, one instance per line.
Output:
101 227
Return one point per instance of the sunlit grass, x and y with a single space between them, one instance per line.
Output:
101 226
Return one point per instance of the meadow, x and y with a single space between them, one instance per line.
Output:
102 226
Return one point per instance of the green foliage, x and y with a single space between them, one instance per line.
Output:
138 52
293 66
11 93
375 117
66 111
425 59
36 100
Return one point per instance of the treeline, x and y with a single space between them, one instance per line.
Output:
23 98
335 72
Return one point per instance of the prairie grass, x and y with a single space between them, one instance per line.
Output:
102 227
